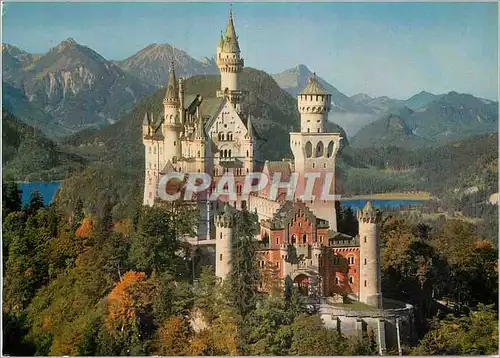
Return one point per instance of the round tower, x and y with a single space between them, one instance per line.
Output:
370 291
172 126
314 104
228 58
224 231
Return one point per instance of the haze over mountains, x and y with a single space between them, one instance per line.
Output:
72 87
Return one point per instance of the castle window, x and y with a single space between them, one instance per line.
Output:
304 238
318 130
247 153
308 130
351 280
335 260
149 181
314 165
175 143
229 153
324 165
321 238
278 264
294 239
220 257
365 239
221 235
365 261
225 153
365 283
277 241
199 154
247 170
350 260
336 280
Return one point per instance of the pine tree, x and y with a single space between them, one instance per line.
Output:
11 198
245 274
35 202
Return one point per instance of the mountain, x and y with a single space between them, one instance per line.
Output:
151 64
390 130
294 80
420 100
448 117
379 105
27 152
72 84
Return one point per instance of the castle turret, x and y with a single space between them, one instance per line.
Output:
224 232
314 151
172 126
370 291
314 105
230 64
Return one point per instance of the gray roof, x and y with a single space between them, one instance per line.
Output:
230 39
172 93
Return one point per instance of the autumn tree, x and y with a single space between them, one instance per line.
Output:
472 334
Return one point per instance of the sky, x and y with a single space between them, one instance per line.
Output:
382 49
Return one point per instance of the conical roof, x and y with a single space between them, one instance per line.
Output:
369 209
172 94
313 87
230 39
250 127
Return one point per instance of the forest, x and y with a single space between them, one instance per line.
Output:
85 283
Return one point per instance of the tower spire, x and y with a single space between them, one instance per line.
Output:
231 40
172 95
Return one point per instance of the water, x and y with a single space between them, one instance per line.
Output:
380 203
49 189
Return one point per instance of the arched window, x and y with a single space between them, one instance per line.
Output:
365 261
229 153
329 150
308 149
277 241
225 153
247 153
351 280
304 238
222 154
319 149
294 239
336 280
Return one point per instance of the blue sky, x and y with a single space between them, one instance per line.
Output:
393 49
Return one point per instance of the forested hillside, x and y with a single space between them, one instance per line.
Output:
81 283
27 153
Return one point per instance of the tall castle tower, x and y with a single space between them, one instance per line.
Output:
172 126
224 232
370 291
314 150
230 64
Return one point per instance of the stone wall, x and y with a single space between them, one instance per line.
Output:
391 328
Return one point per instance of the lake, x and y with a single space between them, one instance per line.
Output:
49 189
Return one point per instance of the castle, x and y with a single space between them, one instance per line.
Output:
216 136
